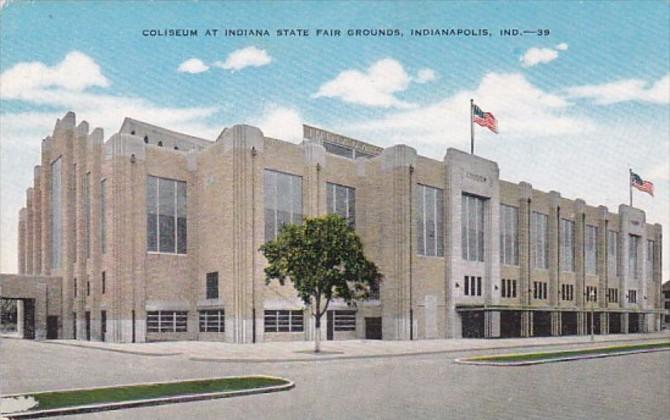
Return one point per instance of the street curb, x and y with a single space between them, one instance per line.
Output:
136 353
386 356
556 360
92 408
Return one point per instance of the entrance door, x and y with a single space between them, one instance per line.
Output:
29 318
103 324
330 325
472 324
52 327
633 323
373 328
88 325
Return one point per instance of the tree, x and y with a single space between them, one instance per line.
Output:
323 258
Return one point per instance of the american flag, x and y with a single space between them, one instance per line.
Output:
485 119
641 184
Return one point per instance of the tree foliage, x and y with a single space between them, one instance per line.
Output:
324 259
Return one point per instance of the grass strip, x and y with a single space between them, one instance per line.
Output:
60 399
568 353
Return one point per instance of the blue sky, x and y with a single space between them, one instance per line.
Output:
575 108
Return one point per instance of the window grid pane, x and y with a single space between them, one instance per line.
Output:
212 320
472 221
341 201
166 215
283 201
344 320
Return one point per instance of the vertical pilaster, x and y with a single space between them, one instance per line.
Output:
554 218
580 227
242 142
396 186
94 150
21 263
29 232
45 183
601 258
63 146
492 324
525 250
314 204
656 276
604 323
37 221
526 322
126 274
555 323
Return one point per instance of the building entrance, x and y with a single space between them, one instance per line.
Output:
510 324
472 324
373 328
633 323
541 324
87 316
52 327
569 323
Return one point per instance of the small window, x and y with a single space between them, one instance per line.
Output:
146 139
344 320
508 288
75 287
160 144
132 132
284 321
212 285
213 321
88 288
166 321
103 282
176 148
473 286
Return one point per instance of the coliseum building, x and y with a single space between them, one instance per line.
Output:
154 235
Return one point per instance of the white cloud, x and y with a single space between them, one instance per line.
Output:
193 66
375 87
562 46
76 73
425 75
4 3
521 109
281 123
55 88
534 56
625 90
658 172
245 57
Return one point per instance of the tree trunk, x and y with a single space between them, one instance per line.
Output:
317 335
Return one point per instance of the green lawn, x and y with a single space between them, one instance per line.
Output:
567 353
49 400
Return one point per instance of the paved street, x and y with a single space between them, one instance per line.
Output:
424 387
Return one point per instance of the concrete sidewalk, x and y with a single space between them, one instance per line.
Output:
350 349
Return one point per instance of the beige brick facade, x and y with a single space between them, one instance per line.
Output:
421 296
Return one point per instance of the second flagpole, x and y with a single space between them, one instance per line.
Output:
472 130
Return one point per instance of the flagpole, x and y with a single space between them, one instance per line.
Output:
630 185
472 130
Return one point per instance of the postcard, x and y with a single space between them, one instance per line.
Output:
334 209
